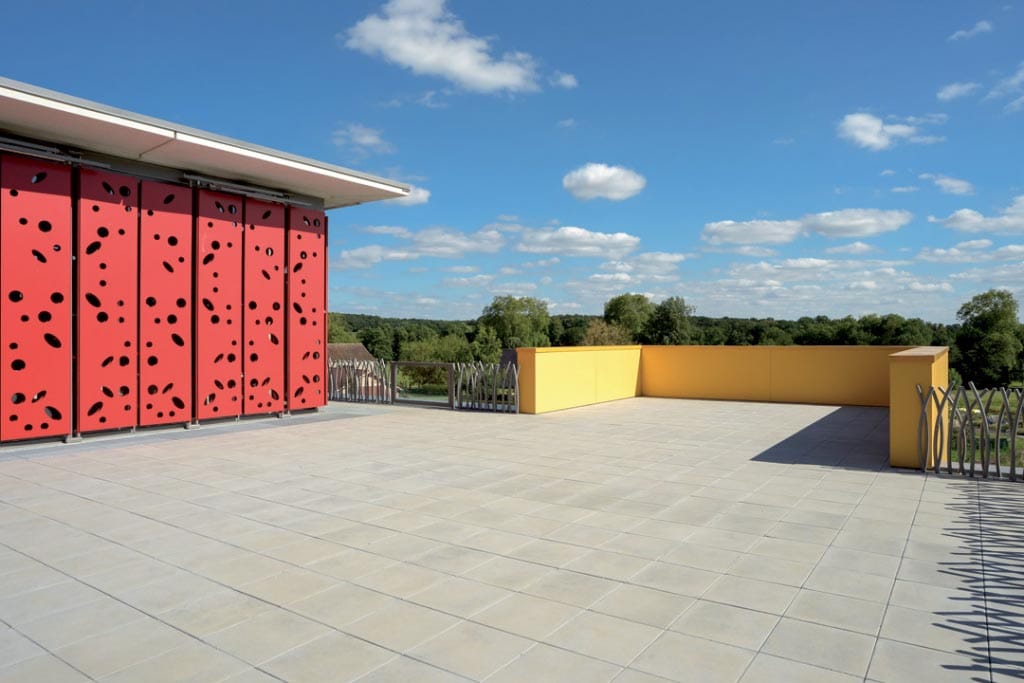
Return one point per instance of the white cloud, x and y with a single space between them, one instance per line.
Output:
592 181
842 223
751 250
887 171
852 248
905 189
1010 87
428 39
751 232
983 26
393 230
952 255
426 301
917 286
856 222
563 80
948 184
956 90
870 132
1010 220
567 123
417 195
371 255
573 241
514 288
546 280
471 281
974 244
543 263
361 140
508 270
462 269
432 242
651 266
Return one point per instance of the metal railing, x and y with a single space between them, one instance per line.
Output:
971 431
489 387
359 381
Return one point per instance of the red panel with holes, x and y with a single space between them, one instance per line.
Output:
307 317
218 307
263 326
165 304
107 299
35 304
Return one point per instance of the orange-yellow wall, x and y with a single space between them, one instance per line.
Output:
832 375
567 377
925 366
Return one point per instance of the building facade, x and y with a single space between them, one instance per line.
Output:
152 274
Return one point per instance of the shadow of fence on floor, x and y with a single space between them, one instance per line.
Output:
987 520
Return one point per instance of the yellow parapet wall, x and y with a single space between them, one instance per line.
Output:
567 377
923 366
831 375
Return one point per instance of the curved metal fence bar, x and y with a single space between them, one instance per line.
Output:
492 387
973 432
487 386
359 381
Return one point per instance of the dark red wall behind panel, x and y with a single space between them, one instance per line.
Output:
35 299
263 328
165 304
218 307
307 297
107 300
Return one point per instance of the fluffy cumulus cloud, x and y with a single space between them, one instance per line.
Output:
948 184
360 140
470 281
593 181
905 189
842 223
417 195
983 26
428 39
430 242
870 132
852 248
573 241
563 80
1010 88
1008 221
955 91
651 266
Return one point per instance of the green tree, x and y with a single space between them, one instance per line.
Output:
486 346
670 323
338 330
630 312
600 333
518 321
380 341
987 340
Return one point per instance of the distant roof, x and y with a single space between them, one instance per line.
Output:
355 351
34 112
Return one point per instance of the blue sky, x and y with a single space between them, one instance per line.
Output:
759 159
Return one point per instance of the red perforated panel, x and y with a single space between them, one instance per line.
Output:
218 308
165 304
263 329
35 299
107 298
307 298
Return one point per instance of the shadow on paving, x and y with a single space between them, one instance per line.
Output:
988 520
850 437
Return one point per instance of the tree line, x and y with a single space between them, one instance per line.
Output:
986 343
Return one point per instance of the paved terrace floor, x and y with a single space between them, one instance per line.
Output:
637 541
